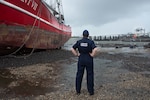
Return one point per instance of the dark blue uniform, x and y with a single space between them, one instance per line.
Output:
85 47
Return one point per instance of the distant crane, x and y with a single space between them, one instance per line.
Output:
140 31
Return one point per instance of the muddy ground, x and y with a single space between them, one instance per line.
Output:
50 75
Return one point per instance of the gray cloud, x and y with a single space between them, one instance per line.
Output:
99 12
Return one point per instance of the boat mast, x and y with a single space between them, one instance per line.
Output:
60 11
56 8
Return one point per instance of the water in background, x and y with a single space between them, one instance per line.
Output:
138 49
68 45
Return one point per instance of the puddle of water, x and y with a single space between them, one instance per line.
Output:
5 77
27 88
145 73
107 71
21 87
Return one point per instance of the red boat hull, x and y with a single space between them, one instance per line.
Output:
29 23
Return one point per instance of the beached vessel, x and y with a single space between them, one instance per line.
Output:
32 24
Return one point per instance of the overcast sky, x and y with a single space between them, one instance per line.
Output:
106 17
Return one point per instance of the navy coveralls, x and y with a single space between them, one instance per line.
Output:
85 46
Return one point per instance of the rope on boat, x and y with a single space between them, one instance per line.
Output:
33 26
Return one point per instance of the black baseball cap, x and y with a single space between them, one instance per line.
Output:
85 33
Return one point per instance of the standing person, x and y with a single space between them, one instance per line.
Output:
86 51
